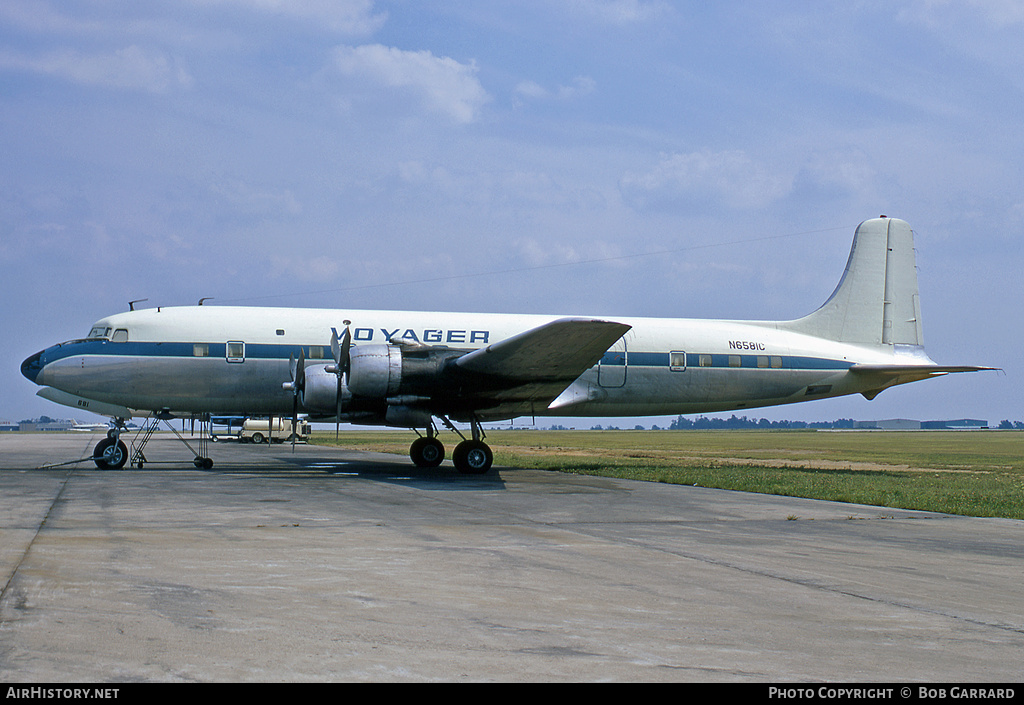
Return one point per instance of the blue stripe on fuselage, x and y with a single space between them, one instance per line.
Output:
789 362
274 351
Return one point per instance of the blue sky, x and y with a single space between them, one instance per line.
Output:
607 157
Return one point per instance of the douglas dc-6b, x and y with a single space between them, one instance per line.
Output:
406 368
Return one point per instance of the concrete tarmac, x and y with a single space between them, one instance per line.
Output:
334 565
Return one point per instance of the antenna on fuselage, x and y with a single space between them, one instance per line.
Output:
205 298
131 304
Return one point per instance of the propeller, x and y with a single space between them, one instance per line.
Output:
340 350
298 383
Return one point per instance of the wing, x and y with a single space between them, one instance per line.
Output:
537 365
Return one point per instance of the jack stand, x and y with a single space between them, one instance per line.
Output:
201 459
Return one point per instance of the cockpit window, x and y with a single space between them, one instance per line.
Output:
120 335
100 332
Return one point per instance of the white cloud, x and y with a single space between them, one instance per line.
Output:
246 199
621 11
132 68
531 89
307 267
354 17
581 86
38 17
443 84
997 13
729 178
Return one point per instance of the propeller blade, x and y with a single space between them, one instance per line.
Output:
300 386
297 370
337 414
295 421
340 351
346 346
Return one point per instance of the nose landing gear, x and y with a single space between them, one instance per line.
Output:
111 453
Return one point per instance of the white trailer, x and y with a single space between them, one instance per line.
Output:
280 431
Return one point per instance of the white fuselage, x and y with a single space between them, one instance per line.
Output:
207 359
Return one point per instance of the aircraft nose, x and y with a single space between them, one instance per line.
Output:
32 366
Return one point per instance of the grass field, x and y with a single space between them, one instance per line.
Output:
975 473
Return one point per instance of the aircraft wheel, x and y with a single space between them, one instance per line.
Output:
472 457
110 454
426 452
203 463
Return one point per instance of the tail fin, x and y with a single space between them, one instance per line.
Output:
877 300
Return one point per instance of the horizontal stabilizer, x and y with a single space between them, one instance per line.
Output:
920 370
885 376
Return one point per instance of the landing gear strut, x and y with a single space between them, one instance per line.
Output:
471 457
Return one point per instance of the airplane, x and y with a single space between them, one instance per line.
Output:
407 368
89 427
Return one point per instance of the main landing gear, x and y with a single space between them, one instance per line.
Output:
471 457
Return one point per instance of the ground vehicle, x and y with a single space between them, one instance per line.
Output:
278 429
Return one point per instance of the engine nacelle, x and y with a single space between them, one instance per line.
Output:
320 393
395 376
375 371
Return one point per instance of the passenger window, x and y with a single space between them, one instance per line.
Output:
677 361
705 361
316 352
201 350
776 362
762 361
236 351
120 335
734 361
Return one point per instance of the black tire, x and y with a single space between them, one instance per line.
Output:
472 457
110 454
426 452
257 438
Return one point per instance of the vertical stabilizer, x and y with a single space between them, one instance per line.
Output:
877 300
